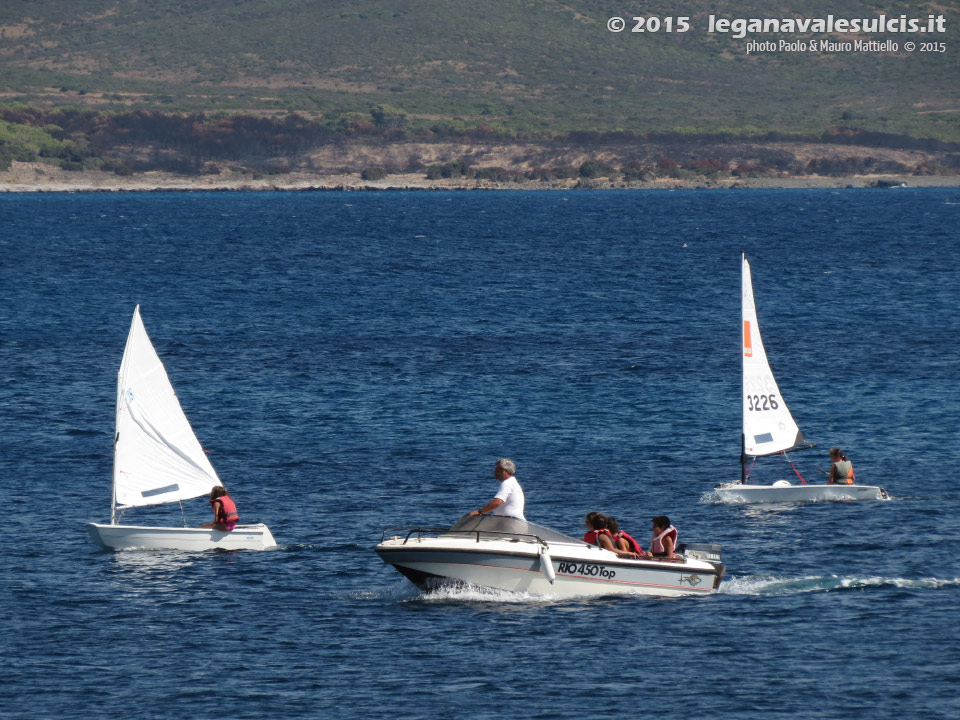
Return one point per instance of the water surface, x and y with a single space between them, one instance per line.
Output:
355 361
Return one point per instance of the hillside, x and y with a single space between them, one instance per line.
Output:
515 66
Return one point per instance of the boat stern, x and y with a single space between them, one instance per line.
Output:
707 552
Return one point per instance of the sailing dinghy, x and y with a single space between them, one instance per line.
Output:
769 428
157 459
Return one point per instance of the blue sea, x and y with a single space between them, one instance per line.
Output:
353 361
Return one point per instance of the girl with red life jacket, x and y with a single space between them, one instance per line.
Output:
664 539
596 526
598 534
622 539
224 510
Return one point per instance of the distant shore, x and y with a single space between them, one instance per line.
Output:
39 178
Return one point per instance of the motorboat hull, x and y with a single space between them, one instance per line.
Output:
130 537
521 563
595 576
784 492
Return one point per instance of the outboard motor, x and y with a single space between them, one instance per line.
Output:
707 552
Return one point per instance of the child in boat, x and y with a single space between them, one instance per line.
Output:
663 543
598 534
224 510
841 469
622 539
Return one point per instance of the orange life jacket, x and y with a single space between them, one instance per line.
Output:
850 478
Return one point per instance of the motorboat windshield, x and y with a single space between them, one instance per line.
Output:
503 525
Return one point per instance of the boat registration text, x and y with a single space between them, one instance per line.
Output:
585 569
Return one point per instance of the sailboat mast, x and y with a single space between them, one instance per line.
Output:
113 494
743 459
116 441
743 389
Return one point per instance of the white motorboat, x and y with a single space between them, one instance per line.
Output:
769 428
504 553
157 459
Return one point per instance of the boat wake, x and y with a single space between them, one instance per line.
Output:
756 585
774 585
467 592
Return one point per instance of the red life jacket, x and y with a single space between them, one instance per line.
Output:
227 512
634 545
593 536
656 543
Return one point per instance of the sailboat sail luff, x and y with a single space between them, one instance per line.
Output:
768 426
157 457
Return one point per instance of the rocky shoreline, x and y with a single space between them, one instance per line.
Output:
37 177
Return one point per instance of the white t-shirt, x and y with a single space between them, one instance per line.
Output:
512 496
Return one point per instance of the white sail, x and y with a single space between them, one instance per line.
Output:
768 426
157 457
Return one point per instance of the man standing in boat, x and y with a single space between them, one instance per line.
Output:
509 498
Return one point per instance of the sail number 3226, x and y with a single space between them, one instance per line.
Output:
762 402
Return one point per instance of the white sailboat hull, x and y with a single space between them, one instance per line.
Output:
141 537
784 492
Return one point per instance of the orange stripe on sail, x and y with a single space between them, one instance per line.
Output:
747 346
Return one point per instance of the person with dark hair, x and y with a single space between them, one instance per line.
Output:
663 543
622 539
596 528
509 498
598 534
224 510
841 469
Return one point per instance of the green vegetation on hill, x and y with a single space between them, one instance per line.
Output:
517 67
28 143
193 144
